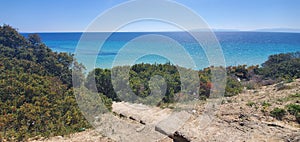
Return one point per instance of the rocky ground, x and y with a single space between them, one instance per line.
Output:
245 117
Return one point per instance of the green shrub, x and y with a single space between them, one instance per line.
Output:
233 87
266 104
282 66
293 109
250 104
278 113
36 89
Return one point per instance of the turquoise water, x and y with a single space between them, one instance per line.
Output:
251 48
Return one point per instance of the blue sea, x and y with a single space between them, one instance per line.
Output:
250 48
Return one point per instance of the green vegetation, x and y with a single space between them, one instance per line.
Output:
36 93
290 97
140 76
278 113
276 68
102 79
251 104
266 104
233 87
293 109
140 83
297 95
282 66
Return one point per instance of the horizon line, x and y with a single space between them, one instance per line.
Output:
257 31
277 30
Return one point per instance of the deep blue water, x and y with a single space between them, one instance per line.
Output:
251 48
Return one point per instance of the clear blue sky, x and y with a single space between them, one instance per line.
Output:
75 15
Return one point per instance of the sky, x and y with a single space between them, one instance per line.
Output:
76 15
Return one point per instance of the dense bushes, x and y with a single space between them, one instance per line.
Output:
276 68
282 66
9 37
140 76
36 94
102 78
233 87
